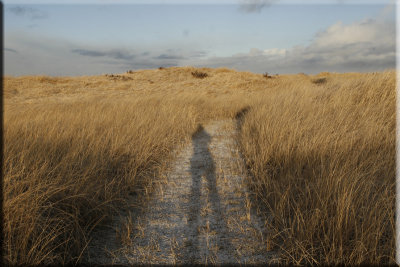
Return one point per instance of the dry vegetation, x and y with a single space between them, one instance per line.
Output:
320 152
323 162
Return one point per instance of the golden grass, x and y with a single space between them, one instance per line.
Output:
322 161
321 155
72 157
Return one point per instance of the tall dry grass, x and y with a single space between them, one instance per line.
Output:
321 152
75 148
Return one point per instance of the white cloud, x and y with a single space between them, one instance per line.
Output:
366 45
370 30
274 52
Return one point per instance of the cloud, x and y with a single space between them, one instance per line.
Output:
255 6
366 31
115 54
366 45
274 52
197 54
255 52
41 55
166 56
89 53
10 50
120 54
31 13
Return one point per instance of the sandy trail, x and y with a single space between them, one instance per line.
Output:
201 214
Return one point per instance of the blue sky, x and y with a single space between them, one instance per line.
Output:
100 36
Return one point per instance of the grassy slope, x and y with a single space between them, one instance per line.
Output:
321 152
323 160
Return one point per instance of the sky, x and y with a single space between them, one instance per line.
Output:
64 38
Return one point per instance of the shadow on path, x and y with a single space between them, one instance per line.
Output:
239 116
202 165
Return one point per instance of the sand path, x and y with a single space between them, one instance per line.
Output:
201 214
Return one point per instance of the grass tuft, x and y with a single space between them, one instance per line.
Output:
320 80
199 74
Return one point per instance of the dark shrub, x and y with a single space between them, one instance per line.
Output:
321 80
199 74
